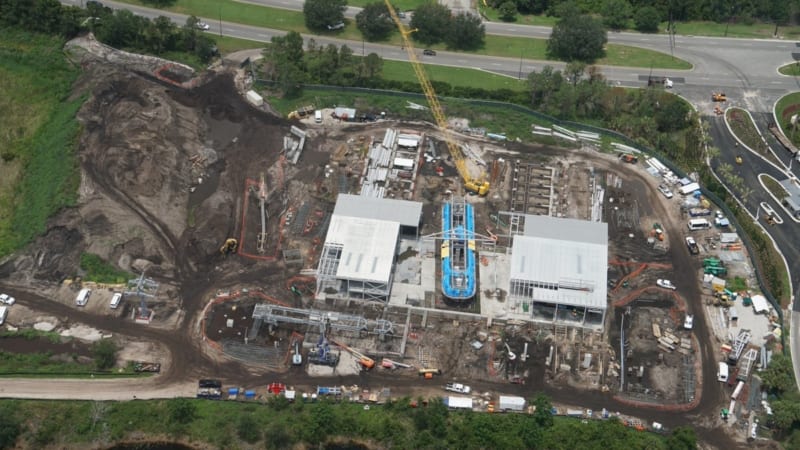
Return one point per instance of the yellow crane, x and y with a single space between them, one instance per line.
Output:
476 185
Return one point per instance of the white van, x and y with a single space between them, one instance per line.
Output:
83 297
733 314
116 300
722 373
3 314
699 224
318 116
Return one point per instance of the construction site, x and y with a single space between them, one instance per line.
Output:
392 253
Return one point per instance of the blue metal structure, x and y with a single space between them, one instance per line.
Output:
458 251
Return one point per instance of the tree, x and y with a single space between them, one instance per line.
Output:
578 38
10 427
779 377
371 66
574 72
432 21
672 114
508 11
647 19
543 415
374 21
616 14
320 14
682 438
466 32
105 354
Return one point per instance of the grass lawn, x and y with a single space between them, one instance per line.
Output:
456 76
399 5
505 46
744 128
787 106
791 70
773 186
38 171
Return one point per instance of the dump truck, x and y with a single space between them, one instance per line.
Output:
301 112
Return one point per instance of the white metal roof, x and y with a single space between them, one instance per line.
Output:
760 304
404 212
566 229
569 257
368 247
454 401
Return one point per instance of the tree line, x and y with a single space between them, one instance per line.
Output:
645 15
120 28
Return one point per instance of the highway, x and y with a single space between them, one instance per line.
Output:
746 69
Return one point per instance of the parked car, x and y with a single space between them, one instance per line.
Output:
666 284
336 26
116 300
203 26
7 299
458 387
688 322
665 190
692 245
428 52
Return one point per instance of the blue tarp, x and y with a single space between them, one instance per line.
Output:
250 394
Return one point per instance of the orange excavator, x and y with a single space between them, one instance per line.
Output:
366 362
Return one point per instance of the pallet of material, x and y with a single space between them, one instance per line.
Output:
684 351
671 337
666 343
664 348
686 343
656 330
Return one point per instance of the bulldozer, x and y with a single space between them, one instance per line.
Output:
229 246
718 97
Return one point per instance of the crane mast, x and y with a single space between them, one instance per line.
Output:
477 186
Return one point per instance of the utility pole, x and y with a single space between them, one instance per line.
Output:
521 51
220 20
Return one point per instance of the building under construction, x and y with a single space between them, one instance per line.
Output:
558 270
359 251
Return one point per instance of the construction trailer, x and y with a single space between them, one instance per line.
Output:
511 403
458 402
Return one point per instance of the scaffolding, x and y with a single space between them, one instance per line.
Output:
739 344
328 265
748 360
275 314
143 288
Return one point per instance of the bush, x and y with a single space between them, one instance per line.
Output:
248 429
647 19
105 354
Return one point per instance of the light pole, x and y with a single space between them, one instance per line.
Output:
521 51
220 20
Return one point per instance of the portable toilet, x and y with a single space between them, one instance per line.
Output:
249 394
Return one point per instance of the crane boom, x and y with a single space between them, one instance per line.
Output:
479 186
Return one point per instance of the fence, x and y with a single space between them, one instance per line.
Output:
603 132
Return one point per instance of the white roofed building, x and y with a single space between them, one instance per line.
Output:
358 255
559 269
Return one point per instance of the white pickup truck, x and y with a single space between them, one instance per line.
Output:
457 387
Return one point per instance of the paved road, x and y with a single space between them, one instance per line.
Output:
744 67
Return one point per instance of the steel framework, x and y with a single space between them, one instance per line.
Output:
275 314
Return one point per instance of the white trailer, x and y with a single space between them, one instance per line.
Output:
689 188
254 98
3 314
511 403
458 402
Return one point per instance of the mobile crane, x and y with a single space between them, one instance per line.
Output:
475 185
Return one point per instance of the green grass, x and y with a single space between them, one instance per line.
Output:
744 128
38 132
31 334
399 5
784 109
99 270
505 46
455 76
792 70
773 186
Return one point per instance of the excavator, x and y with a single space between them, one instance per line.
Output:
478 185
366 362
229 246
